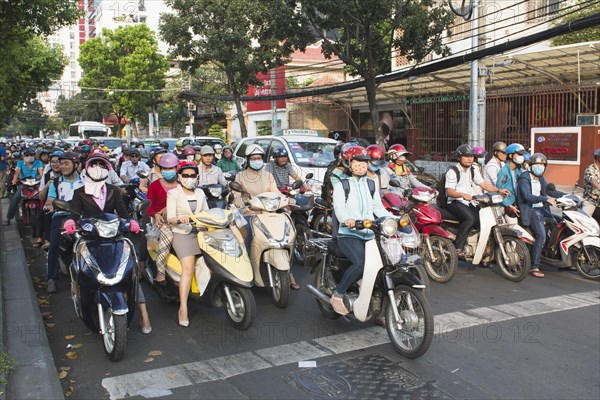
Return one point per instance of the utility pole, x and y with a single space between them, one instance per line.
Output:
482 77
474 94
273 103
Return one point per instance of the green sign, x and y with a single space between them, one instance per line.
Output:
438 99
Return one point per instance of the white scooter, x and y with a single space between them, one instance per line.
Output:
272 242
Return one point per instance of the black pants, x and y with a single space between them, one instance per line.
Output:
469 215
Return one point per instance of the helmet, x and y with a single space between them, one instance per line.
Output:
538 158
56 153
98 156
169 160
465 150
134 152
499 146
346 146
179 143
227 148
69 155
527 156
218 147
515 148
85 149
206 149
597 154
337 150
186 164
398 149
479 151
376 154
29 152
279 152
189 150
156 151
354 153
44 151
164 145
254 149
197 147
85 142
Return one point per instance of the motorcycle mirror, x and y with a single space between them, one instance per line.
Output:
143 206
142 174
309 175
551 186
406 192
297 184
236 187
394 182
61 205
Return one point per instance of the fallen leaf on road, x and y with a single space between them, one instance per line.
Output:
46 315
72 355
62 375
77 346
69 337
70 391
50 325
149 359
71 381
65 368
155 353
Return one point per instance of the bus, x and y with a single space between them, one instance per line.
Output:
86 129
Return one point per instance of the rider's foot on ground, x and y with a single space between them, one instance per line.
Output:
571 268
46 245
52 286
536 273
337 302
5 222
379 320
460 254
294 286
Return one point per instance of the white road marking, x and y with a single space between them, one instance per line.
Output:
158 382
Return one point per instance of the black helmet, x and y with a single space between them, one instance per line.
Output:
69 155
499 146
279 152
164 144
537 158
597 154
337 150
465 150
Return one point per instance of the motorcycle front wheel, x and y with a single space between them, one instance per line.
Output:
245 307
412 335
442 262
587 261
322 224
519 260
325 287
281 287
421 272
115 336
303 233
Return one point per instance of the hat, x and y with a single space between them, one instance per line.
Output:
206 149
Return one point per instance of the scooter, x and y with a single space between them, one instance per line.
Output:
215 195
387 287
574 241
30 200
104 277
272 242
222 274
496 239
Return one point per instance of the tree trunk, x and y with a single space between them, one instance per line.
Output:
371 88
240 115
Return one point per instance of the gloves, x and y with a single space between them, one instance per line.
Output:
70 226
134 227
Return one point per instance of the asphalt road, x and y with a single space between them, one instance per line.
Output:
494 339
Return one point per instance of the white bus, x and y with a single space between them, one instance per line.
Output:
86 129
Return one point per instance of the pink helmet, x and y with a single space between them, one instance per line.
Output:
479 152
168 160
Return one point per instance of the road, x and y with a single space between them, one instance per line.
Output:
494 339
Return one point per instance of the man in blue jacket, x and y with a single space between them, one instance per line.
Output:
508 175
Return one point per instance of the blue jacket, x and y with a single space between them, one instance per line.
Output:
526 199
505 181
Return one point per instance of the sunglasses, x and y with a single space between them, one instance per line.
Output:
189 175
134 156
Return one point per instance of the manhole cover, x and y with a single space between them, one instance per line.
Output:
371 377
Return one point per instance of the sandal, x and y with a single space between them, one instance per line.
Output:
536 273
295 286
46 245
337 302
38 242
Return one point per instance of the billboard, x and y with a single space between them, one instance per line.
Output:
559 145
265 90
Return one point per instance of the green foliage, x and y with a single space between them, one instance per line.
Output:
216 131
238 37
120 62
7 365
81 107
293 83
585 35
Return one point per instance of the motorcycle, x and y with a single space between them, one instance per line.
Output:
387 287
222 273
104 277
496 239
215 195
30 200
574 241
133 195
272 242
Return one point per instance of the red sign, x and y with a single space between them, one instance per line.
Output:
557 146
265 90
111 119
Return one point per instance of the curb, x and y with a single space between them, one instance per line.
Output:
24 333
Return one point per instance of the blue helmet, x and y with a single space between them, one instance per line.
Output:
56 153
279 152
515 148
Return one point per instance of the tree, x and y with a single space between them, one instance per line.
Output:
216 131
126 66
81 107
239 37
364 34
30 120
585 35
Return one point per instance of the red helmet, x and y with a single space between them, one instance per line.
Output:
86 142
98 156
354 153
398 149
377 154
189 150
187 164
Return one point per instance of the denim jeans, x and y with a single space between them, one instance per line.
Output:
53 268
14 203
539 232
354 249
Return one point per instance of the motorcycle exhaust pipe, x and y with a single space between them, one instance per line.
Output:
318 294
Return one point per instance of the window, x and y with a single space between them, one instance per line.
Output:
72 35
241 152
541 10
461 29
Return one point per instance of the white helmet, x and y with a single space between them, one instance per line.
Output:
254 149
217 147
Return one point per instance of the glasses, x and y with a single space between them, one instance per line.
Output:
189 175
134 156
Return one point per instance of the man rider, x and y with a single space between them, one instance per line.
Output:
334 172
129 170
208 173
26 168
218 152
227 163
281 168
491 169
508 175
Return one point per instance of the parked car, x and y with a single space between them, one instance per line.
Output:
203 140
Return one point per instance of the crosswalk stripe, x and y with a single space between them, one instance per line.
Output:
157 382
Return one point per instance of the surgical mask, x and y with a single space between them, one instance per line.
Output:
519 160
538 170
29 159
373 168
197 157
481 160
188 183
358 168
190 157
168 175
256 164
400 159
97 173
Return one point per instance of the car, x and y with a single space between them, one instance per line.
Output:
111 142
308 152
203 140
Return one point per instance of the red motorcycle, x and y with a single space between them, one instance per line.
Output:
30 200
439 254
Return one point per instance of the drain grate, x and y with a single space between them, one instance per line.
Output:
370 377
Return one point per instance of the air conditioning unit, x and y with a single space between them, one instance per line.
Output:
588 120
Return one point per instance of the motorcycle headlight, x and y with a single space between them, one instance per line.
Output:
215 191
229 247
270 204
108 229
497 199
410 240
404 221
389 226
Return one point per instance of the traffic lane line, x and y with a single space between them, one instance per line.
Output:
166 378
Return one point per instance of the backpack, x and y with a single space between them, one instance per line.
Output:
346 187
440 186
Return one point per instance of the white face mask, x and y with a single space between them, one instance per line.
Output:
97 173
29 159
190 157
519 160
188 183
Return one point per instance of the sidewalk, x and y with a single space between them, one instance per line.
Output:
23 335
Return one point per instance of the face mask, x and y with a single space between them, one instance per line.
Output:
97 173
28 159
168 175
373 168
190 157
519 160
188 183
400 159
481 160
537 169
218 151
256 164
197 157
358 168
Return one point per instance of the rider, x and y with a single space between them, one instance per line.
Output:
460 191
188 153
591 188
480 155
61 188
182 201
42 224
208 172
491 169
397 154
508 175
281 168
178 151
335 171
154 174
227 163
376 169
129 170
218 152
358 205
26 168
533 201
